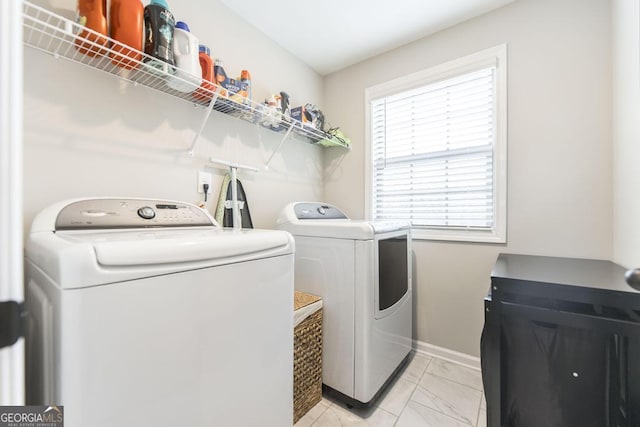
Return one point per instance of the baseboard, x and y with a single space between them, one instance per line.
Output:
444 353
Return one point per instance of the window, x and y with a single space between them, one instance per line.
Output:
436 147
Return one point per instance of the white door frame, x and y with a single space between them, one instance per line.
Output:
12 388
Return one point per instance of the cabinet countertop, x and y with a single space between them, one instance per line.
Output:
585 273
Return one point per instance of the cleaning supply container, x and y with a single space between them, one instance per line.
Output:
245 77
159 25
92 14
186 56
204 93
220 76
307 353
126 21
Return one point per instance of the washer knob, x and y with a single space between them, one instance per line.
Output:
146 212
322 210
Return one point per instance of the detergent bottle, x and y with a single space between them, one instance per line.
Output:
92 14
126 19
159 25
245 78
206 65
186 55
220 76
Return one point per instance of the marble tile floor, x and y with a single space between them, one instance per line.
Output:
428 392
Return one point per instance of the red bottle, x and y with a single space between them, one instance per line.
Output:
126 19
205 92
92 14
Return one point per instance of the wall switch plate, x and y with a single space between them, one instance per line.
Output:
204 178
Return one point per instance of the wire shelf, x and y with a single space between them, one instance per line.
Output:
63 38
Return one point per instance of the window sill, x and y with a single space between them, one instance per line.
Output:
464 236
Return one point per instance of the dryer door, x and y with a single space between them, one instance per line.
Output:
393 251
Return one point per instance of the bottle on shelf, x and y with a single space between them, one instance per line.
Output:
220 76
245 92
92 15
205 92
238 89
186 55
270 112
245 77
126 21
159 25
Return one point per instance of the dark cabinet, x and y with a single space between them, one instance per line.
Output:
561 344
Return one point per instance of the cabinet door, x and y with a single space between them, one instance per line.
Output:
575 367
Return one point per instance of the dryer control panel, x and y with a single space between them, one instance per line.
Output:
317 211
130 213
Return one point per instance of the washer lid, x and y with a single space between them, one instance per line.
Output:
74 259
324 220
168 246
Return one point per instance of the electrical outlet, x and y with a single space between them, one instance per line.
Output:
204 178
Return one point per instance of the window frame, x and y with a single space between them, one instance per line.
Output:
495 56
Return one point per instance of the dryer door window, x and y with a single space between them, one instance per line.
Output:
393 280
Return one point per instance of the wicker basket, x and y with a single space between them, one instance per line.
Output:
307 358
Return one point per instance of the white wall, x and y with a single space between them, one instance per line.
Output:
559 150
90 134
626 132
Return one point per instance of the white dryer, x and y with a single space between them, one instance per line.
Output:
362 270
147 313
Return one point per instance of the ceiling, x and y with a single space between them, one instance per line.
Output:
334 34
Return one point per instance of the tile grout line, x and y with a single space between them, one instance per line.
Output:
456 382
407 402
450 380
457 420
478 410
478 416
415 387
321 414
448 415
413 391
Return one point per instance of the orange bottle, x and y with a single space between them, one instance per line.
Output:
126 19
206 64
92 14
245 78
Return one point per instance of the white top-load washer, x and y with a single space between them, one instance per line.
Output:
362 271
147 313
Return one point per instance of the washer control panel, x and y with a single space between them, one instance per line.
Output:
317 211
130 213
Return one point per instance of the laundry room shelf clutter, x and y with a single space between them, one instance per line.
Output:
61 37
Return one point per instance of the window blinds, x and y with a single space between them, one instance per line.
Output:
432 150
